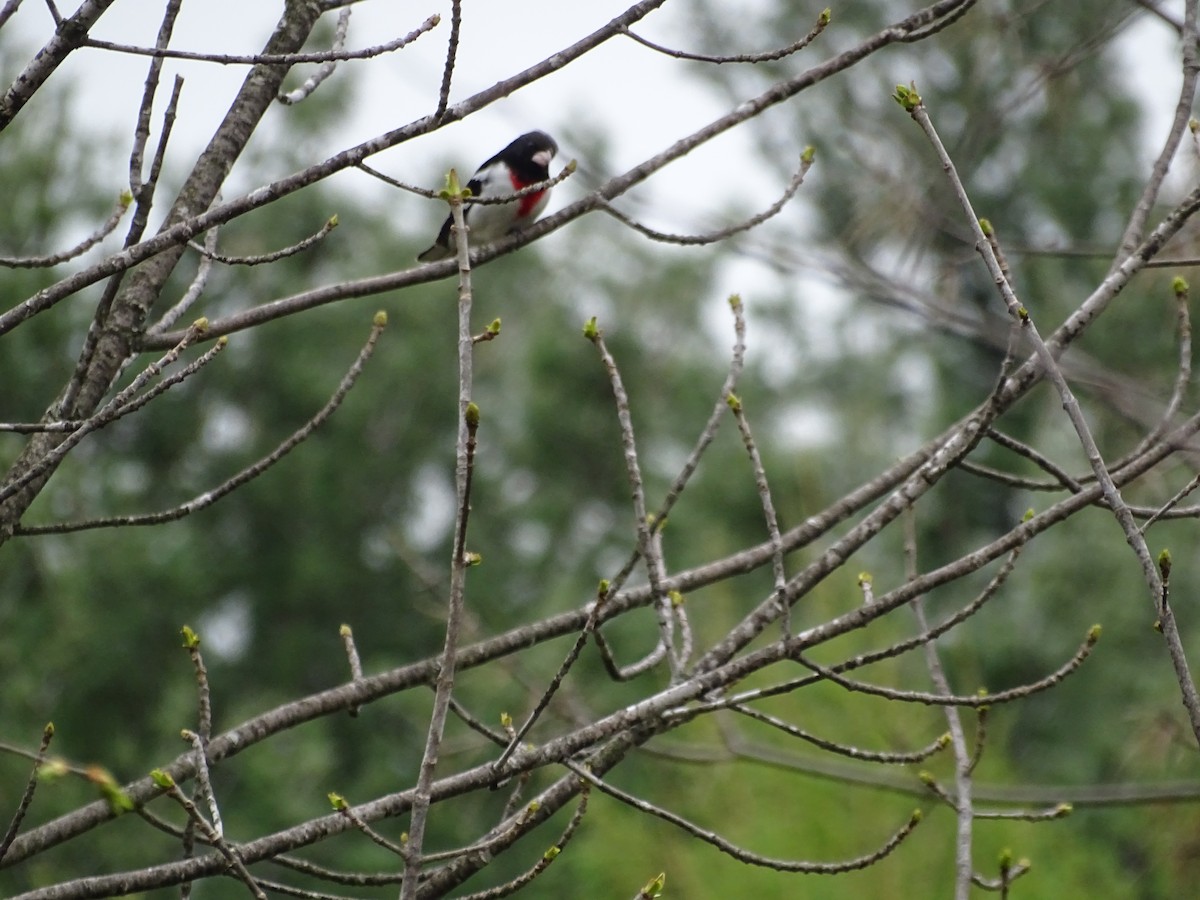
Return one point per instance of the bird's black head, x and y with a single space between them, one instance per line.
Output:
529 155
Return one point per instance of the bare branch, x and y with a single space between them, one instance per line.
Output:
271 59
298 247
194 290
764 496
551 854
754 859
940 25
250 472
468 425
326 69
356 669
107 228
1183 372
555 682
689 240
14 826
648 547
204 784
1179 124
227 850
892 758
983 698
707 434
122 404
141 132
340 804
768 56
451 57
7 11
963 761
865 659
1038 459
69 35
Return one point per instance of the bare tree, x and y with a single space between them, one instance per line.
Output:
688 674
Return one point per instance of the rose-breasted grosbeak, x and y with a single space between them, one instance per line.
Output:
524 162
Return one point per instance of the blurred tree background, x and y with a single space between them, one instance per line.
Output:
878 329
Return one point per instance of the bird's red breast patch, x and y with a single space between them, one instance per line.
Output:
527 204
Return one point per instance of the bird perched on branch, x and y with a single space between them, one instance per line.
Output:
524 162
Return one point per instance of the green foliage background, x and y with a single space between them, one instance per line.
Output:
352 527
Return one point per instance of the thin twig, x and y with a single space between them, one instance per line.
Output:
865 659
1034 456
983 698
1170 505
496 838
707 435
964 808
298 247
141 131
347 812
738 853
270 59
226 849
768 56
1179 124
711 237
451 57
194 290
7 11
941 24
31 784
106 228
468 423
1183 374
1026 815
888 758
326 68
764 496
356 669
631 671
203 784
404 186
250 472
981 720
648 547
203 790
122 404
551 854
1009 479
544 701
567 171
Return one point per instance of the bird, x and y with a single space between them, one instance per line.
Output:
524 162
